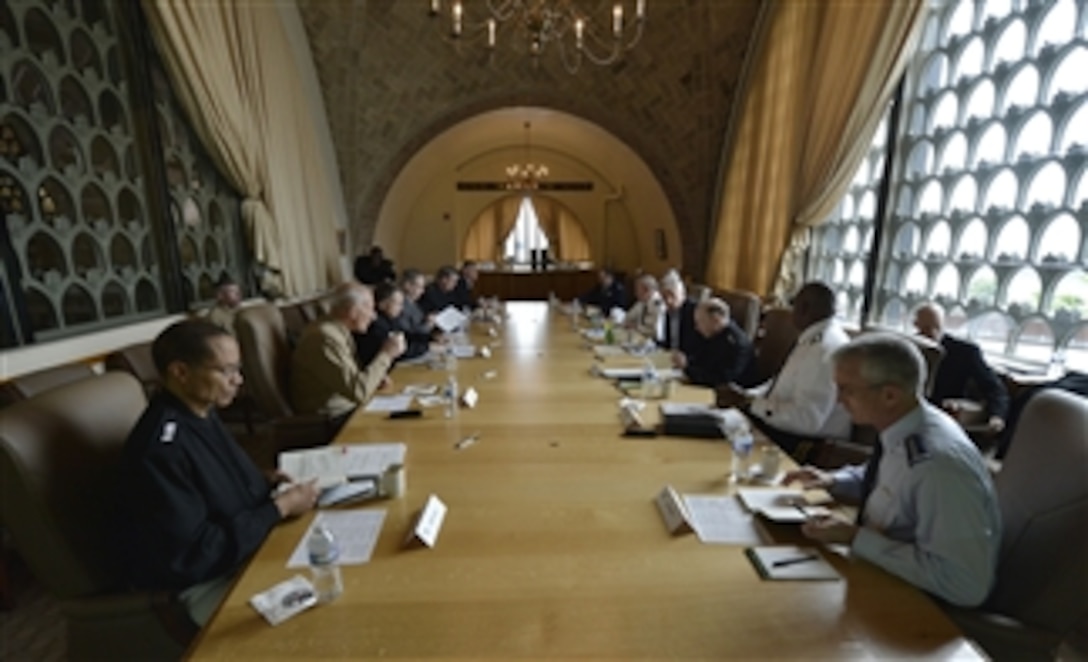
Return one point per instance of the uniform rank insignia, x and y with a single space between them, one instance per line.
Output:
169 428
917 450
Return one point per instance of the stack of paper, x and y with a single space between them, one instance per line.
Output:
784 505
450 319
384 403
790 562
720 519
332 465
355 531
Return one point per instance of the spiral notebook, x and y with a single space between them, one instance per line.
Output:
790 562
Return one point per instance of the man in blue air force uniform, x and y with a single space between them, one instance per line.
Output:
928 512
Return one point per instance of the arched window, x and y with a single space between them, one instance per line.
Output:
525 237
1060 241
1023 89
1070 76
1012 44
1012 241
1047 187
954 154
1059 27
940 241
1034 137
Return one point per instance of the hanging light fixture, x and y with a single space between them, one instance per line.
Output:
526 176
540 24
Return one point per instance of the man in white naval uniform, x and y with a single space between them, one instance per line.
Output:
796 409
928 512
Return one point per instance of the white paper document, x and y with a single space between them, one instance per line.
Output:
450 319
420 389
384 403
356 532
636 373
463 351
720 519
332 465
782 505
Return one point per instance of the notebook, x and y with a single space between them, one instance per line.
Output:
790 562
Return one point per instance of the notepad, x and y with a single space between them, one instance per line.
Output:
790 562
784 505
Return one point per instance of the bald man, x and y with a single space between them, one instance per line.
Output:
722 352
961 367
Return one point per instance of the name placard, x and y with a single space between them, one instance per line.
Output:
469 398
485 352
630 418
428 524
673 511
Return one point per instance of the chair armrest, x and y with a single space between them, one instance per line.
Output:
1002 637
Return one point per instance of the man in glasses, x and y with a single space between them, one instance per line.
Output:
192 507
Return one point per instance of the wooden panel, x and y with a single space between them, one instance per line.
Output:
534 285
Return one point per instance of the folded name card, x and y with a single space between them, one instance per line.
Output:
428 524
485 351
469 398
673 511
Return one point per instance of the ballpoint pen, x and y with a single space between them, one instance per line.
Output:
467 441
781 563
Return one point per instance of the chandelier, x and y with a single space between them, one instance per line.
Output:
538 24
526 176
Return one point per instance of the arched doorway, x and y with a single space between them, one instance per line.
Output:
511 229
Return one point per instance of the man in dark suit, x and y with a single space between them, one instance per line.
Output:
722 352
607 294
441 292
678 329
373 268
389 306
463 293
961 367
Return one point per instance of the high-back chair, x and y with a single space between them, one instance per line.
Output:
59 456
773 342
1040 597
137 361
744 309
266 364
40 381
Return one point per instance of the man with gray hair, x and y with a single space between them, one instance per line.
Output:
325 377
645 316
927 507
678 327
722 352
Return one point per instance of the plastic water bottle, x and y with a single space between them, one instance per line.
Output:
324 568
651 384
451 396
575 311
742 456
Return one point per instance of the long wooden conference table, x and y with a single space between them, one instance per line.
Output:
552 547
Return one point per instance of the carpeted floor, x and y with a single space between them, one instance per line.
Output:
32 630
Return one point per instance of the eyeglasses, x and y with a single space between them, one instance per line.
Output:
227 371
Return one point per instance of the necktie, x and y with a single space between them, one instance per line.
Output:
868 481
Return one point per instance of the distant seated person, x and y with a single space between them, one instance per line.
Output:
796 408
678 326
389 301
191 506
722 352
228 300
607 294
441 293
325 376
646 315
962 368
374 268
415 320
927 512
463 294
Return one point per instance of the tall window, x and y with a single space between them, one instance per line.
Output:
989 207
85 194
526 236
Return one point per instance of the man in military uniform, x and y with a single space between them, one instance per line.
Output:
928 512
722 353
797 407
192 507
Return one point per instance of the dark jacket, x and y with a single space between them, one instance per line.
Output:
606 298
463 296
371 274
963 367
434 300
367 345
683 320
191 505
720 359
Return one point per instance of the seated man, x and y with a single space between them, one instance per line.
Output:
411 283
928 511
390 319
645 316
961 366
192 507
677 331
325 377
440 293
797 407
722 353
373 268
607 294
463 295
228 300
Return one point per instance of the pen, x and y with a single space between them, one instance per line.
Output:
466 442
781 563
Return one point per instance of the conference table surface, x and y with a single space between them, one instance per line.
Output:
552 547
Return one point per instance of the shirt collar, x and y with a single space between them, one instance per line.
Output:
895 434
813 329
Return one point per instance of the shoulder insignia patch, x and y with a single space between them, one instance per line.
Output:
169 429
917 450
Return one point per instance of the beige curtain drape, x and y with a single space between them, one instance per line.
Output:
573 241
239 79
487 234
821 76
547 214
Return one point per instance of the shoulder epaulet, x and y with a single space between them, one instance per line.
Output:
917 449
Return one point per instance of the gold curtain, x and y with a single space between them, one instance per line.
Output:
821 76
486 236
547 212
242 85
573 242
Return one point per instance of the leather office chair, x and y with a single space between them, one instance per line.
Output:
266 364
138 362
59 454
295 319
773 342
35 383
744 308
1040 597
